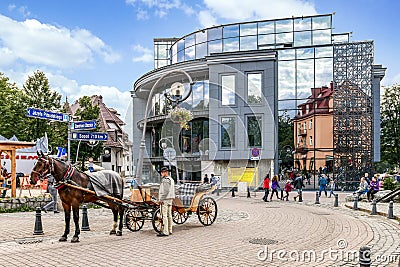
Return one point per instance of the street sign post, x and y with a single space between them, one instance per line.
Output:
83 125
255 154
44 114
87 136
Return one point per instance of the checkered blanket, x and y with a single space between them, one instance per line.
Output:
186 193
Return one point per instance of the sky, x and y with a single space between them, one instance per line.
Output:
102 47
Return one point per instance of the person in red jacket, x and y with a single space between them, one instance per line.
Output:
266 187
288 188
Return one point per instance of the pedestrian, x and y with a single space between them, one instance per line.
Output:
53 192
213 181
362 188
166 194
274 187
282 184
322 182
266 187
332 187
373 189
91 169
288 189
298 184
205 179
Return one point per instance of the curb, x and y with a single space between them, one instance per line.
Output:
368 211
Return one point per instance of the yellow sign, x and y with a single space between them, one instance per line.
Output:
243 174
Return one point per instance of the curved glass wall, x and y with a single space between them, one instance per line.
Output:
283 33
197 101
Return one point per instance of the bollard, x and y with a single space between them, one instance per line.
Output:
217 191
301 196
248 192
390 212
233 192
317 198
374 211
355 205
281 194
336 203
38 223
365 257
85 221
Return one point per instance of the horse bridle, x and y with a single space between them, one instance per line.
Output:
48 168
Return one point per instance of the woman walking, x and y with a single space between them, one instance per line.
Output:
274 187
266 187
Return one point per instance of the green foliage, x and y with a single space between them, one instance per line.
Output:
13 109
383 166
86 112
13 210
285 131
390 125
389 184
37 94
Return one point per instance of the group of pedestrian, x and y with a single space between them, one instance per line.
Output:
367 186
212 180
287 187
324 183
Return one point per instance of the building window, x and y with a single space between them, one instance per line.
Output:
228 90
254 88
228 132
311 143
310 125
254 131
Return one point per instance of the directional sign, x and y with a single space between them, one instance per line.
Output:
83 125
86 136
44 114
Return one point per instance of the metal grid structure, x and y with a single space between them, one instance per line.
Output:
352 112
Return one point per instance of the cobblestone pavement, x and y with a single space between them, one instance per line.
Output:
246 231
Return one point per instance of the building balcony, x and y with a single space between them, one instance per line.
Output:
302 132
301 149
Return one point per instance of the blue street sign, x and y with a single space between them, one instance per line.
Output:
86 136
44 114
83 125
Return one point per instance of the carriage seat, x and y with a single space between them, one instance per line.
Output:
187 192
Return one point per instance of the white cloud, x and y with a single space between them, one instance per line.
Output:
146 54
206 18
160 8
239 10
52 45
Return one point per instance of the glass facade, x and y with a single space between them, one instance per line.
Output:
285 33
228 128
254 131
305 85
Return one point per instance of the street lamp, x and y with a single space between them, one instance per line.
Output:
177 89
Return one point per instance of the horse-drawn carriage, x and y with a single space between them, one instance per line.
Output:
75 187
190 198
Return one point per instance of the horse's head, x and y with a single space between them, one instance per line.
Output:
41 168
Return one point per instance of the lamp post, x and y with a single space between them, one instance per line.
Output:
177 89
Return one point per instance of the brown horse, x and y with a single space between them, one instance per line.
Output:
72 197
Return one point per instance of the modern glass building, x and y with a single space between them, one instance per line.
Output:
252 80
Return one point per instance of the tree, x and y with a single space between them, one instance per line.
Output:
285 139
390 126
87 112
37 94
13 109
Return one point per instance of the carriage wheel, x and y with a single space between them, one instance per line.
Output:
207 211
134 219
179 218
157 221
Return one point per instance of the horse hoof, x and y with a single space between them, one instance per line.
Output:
62 239
75 239
119 233
113 232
